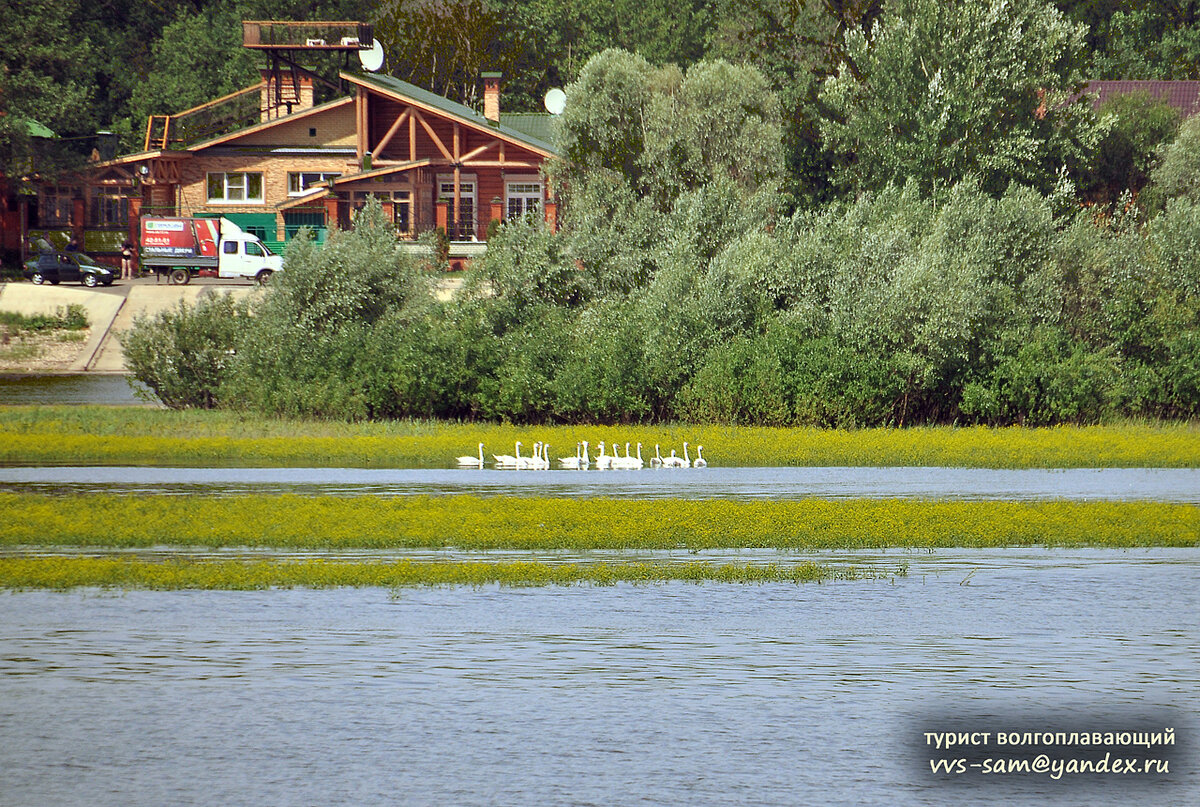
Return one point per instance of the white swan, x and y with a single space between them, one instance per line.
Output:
542 461
673 461
579 461
629 463
687 461
604 461
700 461
508 460
528 463
472 462
656 461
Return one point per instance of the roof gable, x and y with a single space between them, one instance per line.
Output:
396 88
252 135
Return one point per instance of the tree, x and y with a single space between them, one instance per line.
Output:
796 44
1150 39
1178 172
940 91
1136 125
40 80
666 132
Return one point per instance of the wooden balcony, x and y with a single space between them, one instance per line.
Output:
318 35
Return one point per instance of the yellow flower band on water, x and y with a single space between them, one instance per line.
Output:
481 523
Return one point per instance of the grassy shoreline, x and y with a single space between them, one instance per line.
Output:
96 435
479 523
179 574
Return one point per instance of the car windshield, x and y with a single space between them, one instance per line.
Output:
85 260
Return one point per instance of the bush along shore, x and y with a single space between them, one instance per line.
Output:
137 436
893 310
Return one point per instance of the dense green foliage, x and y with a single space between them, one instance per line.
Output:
898 309
936 92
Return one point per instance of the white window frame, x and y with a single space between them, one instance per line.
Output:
468 192
243 186
517 187
302 186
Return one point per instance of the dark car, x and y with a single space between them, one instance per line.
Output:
68 267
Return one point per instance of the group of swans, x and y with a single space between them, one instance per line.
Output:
581 461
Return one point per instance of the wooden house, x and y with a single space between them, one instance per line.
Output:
281 162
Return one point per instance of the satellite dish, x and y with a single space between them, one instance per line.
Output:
556 101
372 59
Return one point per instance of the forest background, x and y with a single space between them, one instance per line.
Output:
776 211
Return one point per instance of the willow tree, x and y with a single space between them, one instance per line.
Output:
938 91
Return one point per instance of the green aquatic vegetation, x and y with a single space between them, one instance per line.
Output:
140 436
66 573
480 523
72 318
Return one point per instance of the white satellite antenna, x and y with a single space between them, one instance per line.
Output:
372 58
556 101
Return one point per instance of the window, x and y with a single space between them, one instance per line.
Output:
465 226
109 208
235 186
55 204
300 182
402 211
253 249
523 197
230 248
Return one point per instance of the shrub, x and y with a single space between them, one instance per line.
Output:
183 354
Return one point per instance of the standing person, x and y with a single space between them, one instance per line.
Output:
127 260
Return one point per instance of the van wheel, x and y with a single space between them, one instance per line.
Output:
179 277
263 277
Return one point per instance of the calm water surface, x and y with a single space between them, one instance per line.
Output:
1159 484
90 388
668 694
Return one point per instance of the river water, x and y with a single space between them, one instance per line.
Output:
1116 484
673 694
664 694
87 388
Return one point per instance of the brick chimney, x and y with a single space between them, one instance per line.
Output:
491 96
295 93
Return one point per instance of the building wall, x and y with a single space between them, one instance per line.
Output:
334 127
193 175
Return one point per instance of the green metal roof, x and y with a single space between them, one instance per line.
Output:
36 129
535 124
454 109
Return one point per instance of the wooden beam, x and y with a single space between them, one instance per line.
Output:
361 123
437 141
391 132
476 152
500 164
412 138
